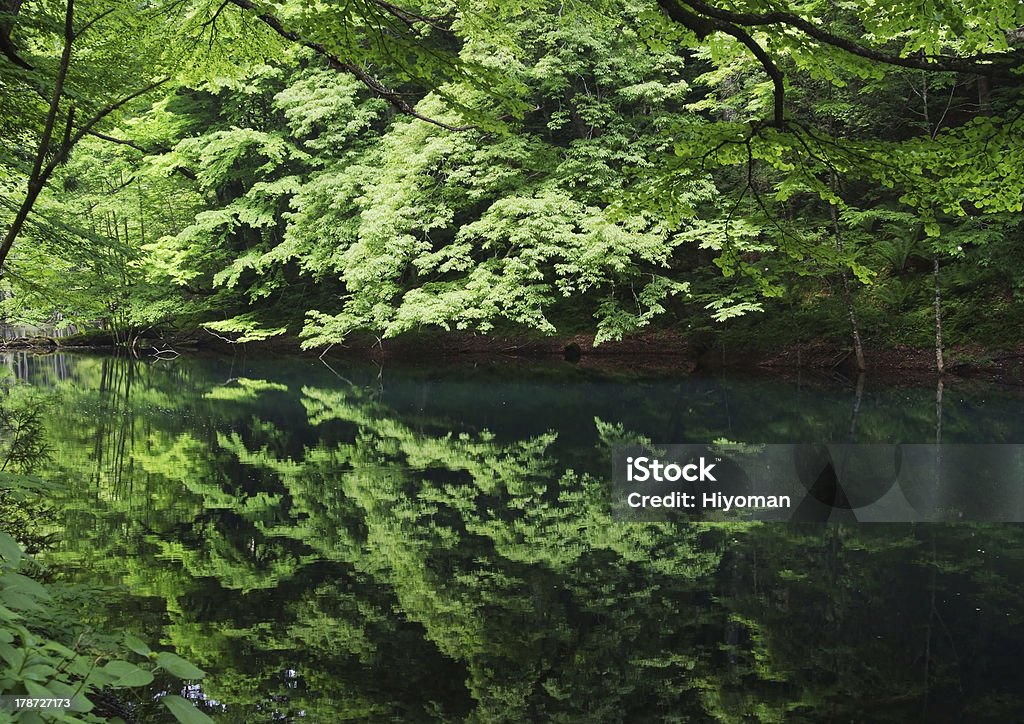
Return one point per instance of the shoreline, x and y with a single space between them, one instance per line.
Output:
650 350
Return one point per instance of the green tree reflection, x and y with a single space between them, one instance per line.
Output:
323 550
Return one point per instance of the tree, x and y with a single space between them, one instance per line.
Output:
71 108
934 174
979 36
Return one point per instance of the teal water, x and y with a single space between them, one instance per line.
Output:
410 544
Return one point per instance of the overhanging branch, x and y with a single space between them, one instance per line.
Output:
992 65
778 81
186 172
343 65
10 8
704 26
704 19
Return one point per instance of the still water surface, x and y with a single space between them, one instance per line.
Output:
397 544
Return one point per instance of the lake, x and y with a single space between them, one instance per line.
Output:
388 543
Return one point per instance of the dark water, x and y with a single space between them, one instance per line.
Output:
435 545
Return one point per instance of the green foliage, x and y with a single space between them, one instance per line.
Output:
34 663
247 329
613 164
299 172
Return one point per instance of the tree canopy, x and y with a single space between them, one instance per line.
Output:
270 168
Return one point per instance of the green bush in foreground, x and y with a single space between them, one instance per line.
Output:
34 664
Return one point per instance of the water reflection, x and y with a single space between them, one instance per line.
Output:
424 545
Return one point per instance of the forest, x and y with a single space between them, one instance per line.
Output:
242 534
833 171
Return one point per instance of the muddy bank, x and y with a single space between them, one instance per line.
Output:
650 350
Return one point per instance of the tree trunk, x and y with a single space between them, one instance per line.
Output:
40 170
940 364
58 153
858 348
